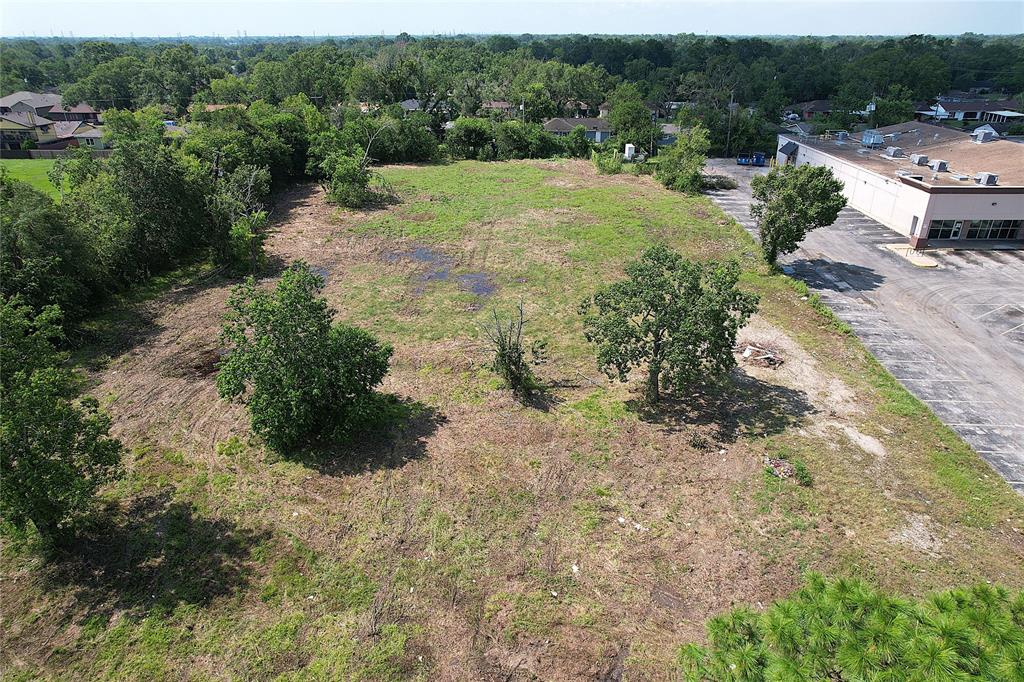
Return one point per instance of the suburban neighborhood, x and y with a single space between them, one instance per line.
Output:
651 342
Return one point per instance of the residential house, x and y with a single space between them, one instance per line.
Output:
604 109
75 134
48 105
669 134
808 110
17 127
598 129
410 105
497 107
976 110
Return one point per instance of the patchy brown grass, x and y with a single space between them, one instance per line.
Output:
578 538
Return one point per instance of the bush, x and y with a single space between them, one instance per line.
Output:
55 451
608 162
471 138
802 473
576 143
301 377
506 339
845 630
246 241
347 180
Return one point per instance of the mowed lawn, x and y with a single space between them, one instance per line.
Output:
32 171
575 537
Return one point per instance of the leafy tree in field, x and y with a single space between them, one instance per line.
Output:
55 451
301 376
680 166
772 102
790 201
676 317
844 629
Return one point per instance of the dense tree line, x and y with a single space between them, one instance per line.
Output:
541 76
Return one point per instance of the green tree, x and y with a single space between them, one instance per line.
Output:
44 259
505 337
631 120
844 629
347 180
55 451
896 107
680 166
676 317
790 201
301 376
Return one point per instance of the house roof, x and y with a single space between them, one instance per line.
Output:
81 108
22 118
958 149
566 125
34 99
92 132
669 129
66 128
1006 105
410 104
822 106
496 104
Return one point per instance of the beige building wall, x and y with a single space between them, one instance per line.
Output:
901 206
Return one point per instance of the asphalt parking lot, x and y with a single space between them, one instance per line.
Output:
953 335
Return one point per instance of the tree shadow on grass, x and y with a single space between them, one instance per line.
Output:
738 406
155 555
396 435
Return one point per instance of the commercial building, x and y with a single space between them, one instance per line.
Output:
939 187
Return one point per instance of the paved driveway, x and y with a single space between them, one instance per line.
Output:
953 335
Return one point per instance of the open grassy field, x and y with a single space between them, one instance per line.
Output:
576 538
32 171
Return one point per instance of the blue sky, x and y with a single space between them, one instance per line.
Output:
359 17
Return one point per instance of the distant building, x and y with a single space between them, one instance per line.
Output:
497 107
17 127
598 129
938 186
669 134
808 110
76 134
976 110
48 105
410 105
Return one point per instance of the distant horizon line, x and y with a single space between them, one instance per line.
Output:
329 36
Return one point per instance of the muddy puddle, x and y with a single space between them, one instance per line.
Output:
435 266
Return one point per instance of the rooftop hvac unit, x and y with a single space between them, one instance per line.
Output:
986 178
982 136
919 159
959 176
872 138
863 151
894 152
842 135
938 165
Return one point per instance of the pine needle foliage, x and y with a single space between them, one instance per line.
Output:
845 630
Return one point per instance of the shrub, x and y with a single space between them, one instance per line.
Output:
844 629
576 143
471 138
55 451
300 376
607 162
802 473
506 340
246 241
347 180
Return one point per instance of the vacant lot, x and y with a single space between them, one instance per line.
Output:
32 171
477 538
